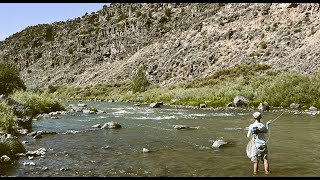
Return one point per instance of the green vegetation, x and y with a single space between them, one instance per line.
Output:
163 20
98 91
140 81
7 118
168 12
257 82
38 103
49 36
10 80
11 147
138 14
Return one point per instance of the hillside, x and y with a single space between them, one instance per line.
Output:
175 42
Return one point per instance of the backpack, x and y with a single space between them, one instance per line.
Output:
258 129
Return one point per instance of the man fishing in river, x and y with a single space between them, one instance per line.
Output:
259 149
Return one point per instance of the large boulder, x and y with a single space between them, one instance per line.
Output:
263 106
202 106
295 106
312 108
240 101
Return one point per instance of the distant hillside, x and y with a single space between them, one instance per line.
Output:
174 41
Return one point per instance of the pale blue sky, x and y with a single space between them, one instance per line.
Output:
14 17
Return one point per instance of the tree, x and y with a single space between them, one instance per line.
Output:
140 81
10 80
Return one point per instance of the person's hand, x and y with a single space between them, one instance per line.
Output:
269 122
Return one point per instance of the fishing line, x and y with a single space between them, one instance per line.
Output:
270 123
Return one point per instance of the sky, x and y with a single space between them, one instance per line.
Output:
14 17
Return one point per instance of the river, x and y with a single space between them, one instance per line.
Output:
80 150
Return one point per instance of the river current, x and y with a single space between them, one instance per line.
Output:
80 150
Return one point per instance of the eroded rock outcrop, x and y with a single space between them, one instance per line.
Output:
188 39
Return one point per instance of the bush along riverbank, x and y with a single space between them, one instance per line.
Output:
16 114
257 83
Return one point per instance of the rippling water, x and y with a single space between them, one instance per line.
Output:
293 144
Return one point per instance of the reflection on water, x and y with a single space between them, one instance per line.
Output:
79 150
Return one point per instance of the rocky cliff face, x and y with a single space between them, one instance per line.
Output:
174 41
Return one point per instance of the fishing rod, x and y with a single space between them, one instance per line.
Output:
270 123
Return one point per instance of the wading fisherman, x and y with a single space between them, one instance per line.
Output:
257 132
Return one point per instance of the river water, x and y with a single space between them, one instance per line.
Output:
80 150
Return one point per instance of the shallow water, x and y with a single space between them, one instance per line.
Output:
293 144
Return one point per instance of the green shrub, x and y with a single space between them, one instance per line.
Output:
250 81
7 118
38 103
49 36
219 102
163 20
52 89
263 45
140 81
10 80
291 87
138 14
168 12
11 147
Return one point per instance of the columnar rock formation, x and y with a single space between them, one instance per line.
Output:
174 41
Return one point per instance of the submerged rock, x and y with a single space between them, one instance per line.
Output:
218 143
38 152
29 164
155 105
145 150
181 127
111 125
82 105
88 111
106 147
38 134
96 126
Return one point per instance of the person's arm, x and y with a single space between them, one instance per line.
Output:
267 124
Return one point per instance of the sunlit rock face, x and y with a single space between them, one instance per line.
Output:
174 41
